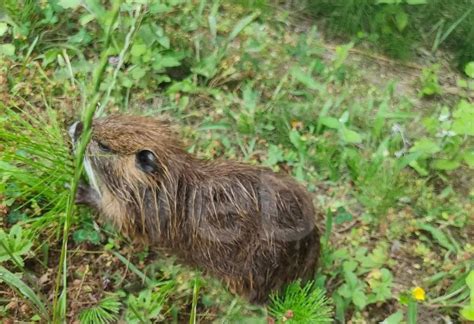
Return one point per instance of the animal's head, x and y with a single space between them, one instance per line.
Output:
129 150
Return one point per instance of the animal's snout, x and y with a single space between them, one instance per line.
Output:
75 130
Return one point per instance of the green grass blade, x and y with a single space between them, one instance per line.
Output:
59 303
132 267
451 29
193 316
244 22
412 312
17 284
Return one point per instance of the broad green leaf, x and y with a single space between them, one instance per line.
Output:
350 136
469 69
170 61
241 24
13 245
349 266
156 31
418 168
3 28
305 78
359 299
159 8
96 7
297 141
81 37
138 49
461 83
345 291
464 119
342 52
469 158
330 122
16 216
138 72
207 67
438 235
425 146
250 97
7 49
417 2
342 216
69 4
162 62
164 41
395 318
86 235
127 82
344 117
446 165
401 20
352 280
147 305
275 155
380 283
85 19
468 312
13 281
376 258
470 280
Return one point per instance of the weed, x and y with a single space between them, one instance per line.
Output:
429 81
397 26
301 304
450 132
106 311
390 170
16 283
148 305
35 167
13 245
468 311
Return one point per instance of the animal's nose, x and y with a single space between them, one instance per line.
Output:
75 130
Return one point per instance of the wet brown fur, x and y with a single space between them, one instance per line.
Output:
246 225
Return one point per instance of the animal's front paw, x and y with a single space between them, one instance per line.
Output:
86 195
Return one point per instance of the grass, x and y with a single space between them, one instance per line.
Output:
390 164
306 304
60 298
401 27
32 176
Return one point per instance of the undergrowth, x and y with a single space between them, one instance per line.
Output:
392 170
399 27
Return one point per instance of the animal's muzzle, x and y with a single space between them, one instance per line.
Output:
75 130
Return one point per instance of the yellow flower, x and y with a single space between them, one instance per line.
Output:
296 124
418 293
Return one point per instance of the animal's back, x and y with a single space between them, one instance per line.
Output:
252 228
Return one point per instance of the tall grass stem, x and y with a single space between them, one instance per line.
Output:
59 303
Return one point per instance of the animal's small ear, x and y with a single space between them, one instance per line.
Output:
146 161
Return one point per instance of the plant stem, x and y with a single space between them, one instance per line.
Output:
412 313
328 229
128 40
193 317
59 303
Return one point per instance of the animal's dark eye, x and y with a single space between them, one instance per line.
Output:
146 161
104 147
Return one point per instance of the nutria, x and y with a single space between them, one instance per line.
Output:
246 225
